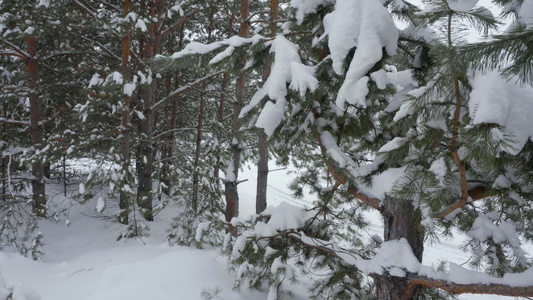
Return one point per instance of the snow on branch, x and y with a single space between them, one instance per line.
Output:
394 258
201 48
367 26
24 54
14 122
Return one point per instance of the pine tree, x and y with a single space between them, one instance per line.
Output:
405 143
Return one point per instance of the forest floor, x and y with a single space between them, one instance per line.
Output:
84 261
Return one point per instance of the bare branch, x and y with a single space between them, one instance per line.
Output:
10 53
14 122
85 9
24 54
184 89
176 25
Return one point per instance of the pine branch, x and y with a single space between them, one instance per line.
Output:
85 9
178 24
372 202
24 54
14 122
512 53
478 193
10 53
184 89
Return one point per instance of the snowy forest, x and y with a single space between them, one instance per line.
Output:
390 143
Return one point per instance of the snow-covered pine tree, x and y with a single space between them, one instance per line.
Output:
40 84
426 147
199 222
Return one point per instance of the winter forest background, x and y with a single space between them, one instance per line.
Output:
142 139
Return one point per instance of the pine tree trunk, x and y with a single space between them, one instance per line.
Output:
199 129
37 170
124 198
222 105
151 48
401 220
262 174
231 193
262 165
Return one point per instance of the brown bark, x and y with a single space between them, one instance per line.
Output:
195 184
262 165
152 47
401 220
221 107
124 198
38 186
201 116
231 192
262 174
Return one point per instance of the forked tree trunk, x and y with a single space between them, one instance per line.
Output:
401 220
124 197
231 193
37 170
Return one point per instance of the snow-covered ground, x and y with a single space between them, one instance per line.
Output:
84 261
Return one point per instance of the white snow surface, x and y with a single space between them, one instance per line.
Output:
462 5
304 7
506 103
84 261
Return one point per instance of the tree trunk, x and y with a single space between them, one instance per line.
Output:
151 48
37 170
262 174
262 166
401 220
231 193
201 116
124 197
222 105
195 184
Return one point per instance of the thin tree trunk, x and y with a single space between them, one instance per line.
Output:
201 116
195 184
231 192
3 159
124 197
222 105
38 186
262 174
262 165
401 220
